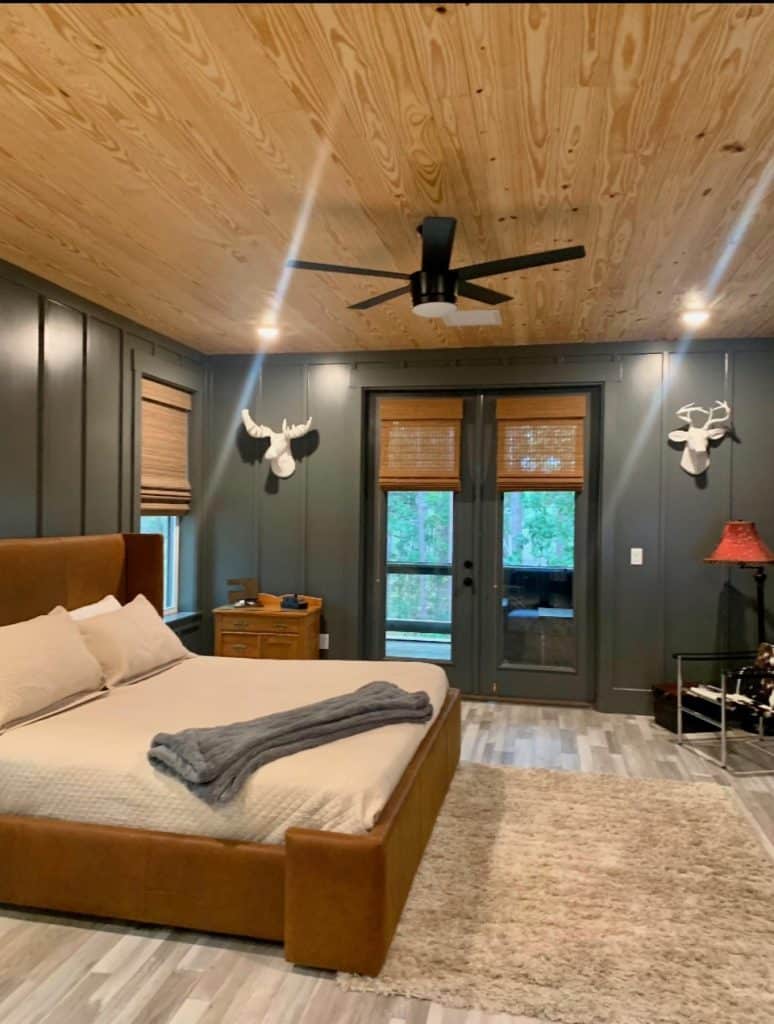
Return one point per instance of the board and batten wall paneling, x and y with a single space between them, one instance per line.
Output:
334 478
695 508
232 477
310 530
282 523
63 424
103 457
67 431
752 475
632 473
19 315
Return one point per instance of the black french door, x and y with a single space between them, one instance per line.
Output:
495 586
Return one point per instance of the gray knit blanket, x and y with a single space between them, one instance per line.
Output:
216 762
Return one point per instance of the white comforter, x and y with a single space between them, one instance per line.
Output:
89 763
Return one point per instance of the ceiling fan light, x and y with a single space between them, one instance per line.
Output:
433 310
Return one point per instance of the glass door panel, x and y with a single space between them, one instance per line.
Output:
496 587
538 563
420 531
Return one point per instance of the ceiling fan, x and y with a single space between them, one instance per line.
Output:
435 287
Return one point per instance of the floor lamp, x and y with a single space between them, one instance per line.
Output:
740 545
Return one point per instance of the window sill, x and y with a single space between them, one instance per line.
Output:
182 618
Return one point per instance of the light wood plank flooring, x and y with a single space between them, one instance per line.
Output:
60 970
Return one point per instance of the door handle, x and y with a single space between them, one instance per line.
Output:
468 564
468 581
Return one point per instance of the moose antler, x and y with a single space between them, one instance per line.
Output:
723 407
297 430
254 429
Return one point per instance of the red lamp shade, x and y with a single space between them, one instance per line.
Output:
741 545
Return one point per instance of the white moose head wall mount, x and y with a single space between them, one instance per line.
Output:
696 439
279 452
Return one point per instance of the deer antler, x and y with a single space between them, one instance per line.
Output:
254 429
684 412
723 407
297 430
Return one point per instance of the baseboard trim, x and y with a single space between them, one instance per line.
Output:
485 698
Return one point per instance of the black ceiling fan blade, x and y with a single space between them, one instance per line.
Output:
377 300
511 263
437 241
475 291
336 269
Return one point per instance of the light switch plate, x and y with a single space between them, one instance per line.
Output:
636 556
325 641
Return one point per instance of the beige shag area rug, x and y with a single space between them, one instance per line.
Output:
588 899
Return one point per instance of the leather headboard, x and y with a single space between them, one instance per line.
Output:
38 574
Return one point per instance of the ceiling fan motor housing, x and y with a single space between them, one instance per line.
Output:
433 286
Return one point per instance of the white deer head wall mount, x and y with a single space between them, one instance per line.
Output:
279 452
696 439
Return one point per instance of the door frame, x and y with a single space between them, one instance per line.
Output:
579 683
462 669
474 474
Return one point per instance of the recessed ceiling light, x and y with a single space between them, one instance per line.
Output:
268 332
695 317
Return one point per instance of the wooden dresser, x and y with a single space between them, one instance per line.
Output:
268 631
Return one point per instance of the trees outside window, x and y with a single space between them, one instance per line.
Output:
539 529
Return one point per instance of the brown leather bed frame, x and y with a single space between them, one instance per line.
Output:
334 899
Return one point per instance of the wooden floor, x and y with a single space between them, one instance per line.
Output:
66 971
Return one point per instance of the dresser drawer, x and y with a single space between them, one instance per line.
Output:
277 624
236 623
239 645
268 631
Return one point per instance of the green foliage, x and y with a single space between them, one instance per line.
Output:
420 526
419 531
538 530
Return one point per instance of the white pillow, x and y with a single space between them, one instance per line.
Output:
44 666
132 643
91 611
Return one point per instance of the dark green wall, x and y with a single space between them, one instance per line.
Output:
305 533
67 466
67 395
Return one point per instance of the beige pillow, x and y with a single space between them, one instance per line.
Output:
44 666
132 643
91 611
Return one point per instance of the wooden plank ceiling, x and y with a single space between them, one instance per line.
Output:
161 159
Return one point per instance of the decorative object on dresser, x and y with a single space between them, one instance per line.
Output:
246 592
740 545
269 630
696 439
279 453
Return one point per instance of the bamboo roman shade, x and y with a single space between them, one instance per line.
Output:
540 443
165 488
420 444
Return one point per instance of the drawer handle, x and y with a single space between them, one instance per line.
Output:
238 647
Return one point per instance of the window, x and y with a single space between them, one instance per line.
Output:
169 528
419 575
165 487
538 567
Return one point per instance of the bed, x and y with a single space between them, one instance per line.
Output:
319 851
